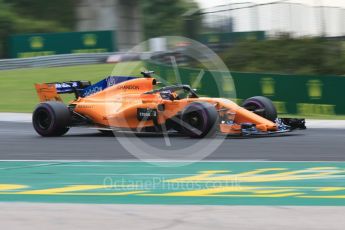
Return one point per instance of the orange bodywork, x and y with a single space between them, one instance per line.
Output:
47 92
117 106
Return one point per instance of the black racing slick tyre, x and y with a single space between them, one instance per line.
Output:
261 106
51 119
199 119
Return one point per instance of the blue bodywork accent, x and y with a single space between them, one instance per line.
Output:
64 87
73 86
103 84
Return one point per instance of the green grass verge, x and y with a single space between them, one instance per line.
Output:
17 92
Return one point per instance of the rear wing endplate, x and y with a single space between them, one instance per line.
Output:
47 92
51 91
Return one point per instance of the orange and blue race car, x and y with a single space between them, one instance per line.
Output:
136 104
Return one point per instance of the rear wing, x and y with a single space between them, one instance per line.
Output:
51 91
47 92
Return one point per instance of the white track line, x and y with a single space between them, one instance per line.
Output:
326 124
314 124
166 161
15 117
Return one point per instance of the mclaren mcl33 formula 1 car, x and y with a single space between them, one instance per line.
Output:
136 104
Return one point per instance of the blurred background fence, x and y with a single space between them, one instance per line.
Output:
54 60
276 17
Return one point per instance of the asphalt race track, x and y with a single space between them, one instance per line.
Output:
19 141
272 193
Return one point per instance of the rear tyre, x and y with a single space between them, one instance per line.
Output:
199 119
261 106
51 119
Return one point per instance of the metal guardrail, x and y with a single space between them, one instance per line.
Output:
55 60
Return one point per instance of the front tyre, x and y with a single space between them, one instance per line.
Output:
261 106
199 119
51 119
